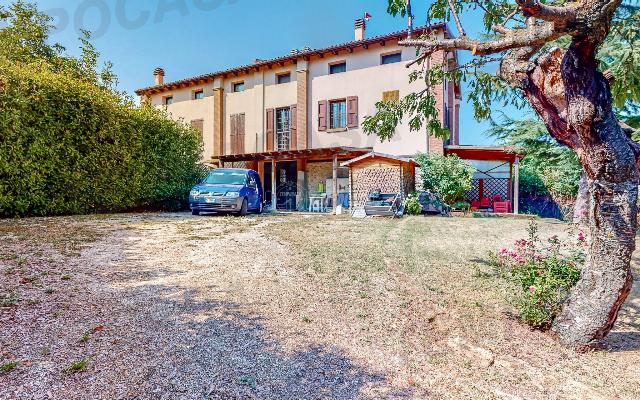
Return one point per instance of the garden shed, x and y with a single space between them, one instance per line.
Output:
380 172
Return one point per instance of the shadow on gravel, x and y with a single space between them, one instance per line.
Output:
211 350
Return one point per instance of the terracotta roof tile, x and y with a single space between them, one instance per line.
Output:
289 57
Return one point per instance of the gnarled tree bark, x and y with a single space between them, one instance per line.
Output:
581 207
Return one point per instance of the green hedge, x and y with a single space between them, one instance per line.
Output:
69 146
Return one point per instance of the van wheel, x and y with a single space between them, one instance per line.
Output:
244 210
195 212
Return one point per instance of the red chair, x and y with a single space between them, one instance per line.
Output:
475 205
485 203
496 197
502 207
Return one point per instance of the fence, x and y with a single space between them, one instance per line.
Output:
488 188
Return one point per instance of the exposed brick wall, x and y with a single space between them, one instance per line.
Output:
302 130
452 112
437 145
218 122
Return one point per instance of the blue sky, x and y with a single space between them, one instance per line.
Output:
191 37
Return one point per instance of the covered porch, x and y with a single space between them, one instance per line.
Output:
301 180
496 182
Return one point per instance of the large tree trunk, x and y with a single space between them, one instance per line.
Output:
593 305
610 163
574 101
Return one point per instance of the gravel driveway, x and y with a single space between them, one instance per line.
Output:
169 306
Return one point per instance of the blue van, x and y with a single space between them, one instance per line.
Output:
237 191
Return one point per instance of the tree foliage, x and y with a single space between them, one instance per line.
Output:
71 144
448 176
547 165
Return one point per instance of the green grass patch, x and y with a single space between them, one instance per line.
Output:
78 366
9 366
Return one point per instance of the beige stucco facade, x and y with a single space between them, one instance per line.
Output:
186 109
309 83
367 79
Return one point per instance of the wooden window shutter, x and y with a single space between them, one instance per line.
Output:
270 123
241 134
322 115
352 112
232 133
294 126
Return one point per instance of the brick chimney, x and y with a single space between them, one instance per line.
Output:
158 73
361 26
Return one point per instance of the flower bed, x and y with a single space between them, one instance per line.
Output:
544 272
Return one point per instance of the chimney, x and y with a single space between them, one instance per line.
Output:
361 26
158 73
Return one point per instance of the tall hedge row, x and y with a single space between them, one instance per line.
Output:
69 146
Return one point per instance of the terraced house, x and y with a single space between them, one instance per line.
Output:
297 118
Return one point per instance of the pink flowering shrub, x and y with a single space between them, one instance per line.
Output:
544 272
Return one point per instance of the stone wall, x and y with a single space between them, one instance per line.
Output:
319 172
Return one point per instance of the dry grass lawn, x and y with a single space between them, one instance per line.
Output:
169 306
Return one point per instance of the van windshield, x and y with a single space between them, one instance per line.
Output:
226 178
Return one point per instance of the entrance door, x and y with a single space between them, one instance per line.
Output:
287 185
283 129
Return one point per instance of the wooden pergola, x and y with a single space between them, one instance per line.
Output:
256 161
507 154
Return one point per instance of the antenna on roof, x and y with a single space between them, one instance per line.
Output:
410 22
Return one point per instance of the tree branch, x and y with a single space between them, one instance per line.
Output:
513 14
422 57
501 28
562 16
456 18
514 38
